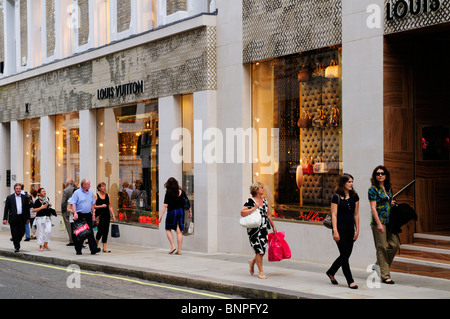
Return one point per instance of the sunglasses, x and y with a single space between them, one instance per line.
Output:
380 173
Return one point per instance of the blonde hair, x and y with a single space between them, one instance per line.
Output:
254 187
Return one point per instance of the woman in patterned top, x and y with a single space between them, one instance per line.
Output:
381 200
258 236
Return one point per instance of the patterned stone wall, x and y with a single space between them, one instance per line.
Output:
182 63
273 28
424 17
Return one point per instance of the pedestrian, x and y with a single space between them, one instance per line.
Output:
67 193
34 197
174 204
103 213
381 200
258 236
43 220
345 221
28 226
17 213
83 202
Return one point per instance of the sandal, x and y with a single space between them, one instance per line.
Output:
106 251
262 276
172 251
252 267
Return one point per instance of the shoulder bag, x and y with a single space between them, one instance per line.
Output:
251 221
327 221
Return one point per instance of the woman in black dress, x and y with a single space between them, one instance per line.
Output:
103 213
174 204
258 236
345 220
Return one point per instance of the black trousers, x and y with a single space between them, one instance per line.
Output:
17 230
103 229
345 246
91 239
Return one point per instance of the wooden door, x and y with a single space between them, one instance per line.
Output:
432 108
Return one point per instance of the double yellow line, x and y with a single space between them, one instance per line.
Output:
115 277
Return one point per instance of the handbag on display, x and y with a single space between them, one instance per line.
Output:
333 120
251 221
332 71
305 75
81 230
305 120
320 166
115 231
319 119
307 168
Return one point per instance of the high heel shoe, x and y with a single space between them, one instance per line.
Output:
333 281
353 287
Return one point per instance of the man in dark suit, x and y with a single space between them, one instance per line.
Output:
17 213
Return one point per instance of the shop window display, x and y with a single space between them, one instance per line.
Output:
127 151
67 153
32 154
297 99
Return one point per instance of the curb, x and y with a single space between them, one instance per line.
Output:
253 291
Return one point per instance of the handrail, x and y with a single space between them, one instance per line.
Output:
404 188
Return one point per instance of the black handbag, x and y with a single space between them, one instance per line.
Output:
81 230
115 231
186 203
327 221
51 211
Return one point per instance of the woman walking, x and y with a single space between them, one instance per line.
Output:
174 204
43 220
381 200
104 213
345 220
258 236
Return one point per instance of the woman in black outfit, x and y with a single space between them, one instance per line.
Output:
174 204
345 219
103 212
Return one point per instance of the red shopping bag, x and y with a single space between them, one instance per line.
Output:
278 247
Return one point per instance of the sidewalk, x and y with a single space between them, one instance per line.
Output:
226 273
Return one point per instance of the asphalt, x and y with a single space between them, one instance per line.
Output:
227 273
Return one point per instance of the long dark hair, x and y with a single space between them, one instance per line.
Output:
387 181
172 187
340 188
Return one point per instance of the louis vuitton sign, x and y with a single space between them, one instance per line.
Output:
120 90
399 9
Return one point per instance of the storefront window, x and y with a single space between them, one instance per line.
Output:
127 161
32 154
296 105
188 144
67 142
